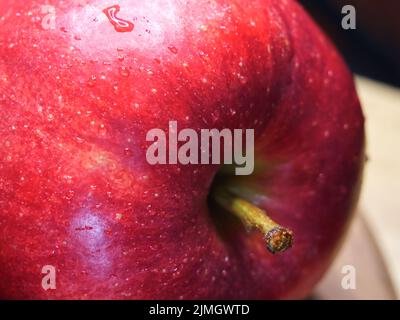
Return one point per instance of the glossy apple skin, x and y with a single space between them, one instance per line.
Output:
77 193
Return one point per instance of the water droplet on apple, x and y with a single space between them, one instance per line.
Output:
92 81
124 71
102 130
128 152
173 49
242 79
70 194
79 140
120 25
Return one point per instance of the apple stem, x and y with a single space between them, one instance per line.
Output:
278 238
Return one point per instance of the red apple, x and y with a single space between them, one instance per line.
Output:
80 86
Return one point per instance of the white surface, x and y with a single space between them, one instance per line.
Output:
380 198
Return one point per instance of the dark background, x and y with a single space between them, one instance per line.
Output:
373 49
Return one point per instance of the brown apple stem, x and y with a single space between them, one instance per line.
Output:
278 238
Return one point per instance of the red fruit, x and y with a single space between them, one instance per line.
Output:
77 193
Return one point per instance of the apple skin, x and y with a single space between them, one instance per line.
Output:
77 193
